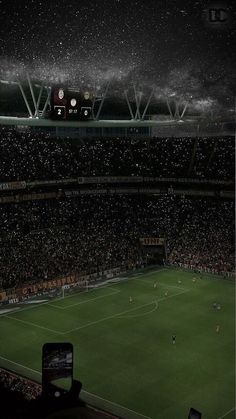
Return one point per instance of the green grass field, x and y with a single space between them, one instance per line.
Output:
124 351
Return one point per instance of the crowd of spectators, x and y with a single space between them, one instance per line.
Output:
206 240
42 240
22 399
16 383
28 156
46 239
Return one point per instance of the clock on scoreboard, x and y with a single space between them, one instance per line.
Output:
71 104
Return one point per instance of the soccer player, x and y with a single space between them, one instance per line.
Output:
155 285
173 339
130 299
218 306
166 293
217 328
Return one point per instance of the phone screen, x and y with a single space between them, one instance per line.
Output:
194 414
57 368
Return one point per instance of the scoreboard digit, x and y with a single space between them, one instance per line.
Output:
60 112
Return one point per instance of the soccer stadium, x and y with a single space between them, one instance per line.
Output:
117 199
123 246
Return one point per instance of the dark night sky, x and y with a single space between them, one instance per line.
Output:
127 39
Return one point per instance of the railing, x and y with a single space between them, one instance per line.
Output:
92 400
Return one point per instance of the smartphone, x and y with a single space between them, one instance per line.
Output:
57 368
194 414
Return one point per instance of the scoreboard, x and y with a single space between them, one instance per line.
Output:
71 104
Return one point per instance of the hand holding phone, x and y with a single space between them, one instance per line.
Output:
57 369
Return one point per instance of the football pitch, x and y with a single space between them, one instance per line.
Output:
123 351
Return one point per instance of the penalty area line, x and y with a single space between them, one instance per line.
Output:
107 318
50 303
34 324
86 301
153 309
122 313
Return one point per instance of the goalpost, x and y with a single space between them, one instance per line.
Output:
87 286
63 288
82 287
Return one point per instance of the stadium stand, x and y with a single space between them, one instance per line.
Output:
41 240
31 156
46 239
21 395
13 382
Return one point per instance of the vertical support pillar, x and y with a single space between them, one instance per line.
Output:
147 105
137 114
25 100
129 105
39 98
102 102
169 109
176 115
93 102
139 100
32 94
46 102
184 110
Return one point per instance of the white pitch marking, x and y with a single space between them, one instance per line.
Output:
107 318
88 324
148 273
229 411
161 283
156 306
82 292
86 301
62 298
120 314
33 324
174 286
53 306
141 314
